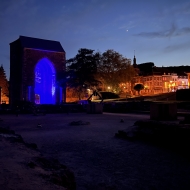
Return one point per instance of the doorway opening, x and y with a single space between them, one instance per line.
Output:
45 83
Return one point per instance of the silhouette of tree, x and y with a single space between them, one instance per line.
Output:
114 69
81 71
138 88
3 83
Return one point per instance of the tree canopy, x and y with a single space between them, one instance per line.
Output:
4 83
138 87
81 70
114 69
88 69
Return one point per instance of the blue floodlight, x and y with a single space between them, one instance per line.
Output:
45 82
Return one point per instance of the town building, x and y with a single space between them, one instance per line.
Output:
183 82
158 80
188 77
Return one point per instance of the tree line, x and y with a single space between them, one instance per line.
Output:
90 70
4 86
95 70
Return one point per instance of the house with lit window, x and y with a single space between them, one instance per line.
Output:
188 78
167 82
182 82
152 84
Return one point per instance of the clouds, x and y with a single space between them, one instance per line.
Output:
183 46
174 39
183 9
184 31
174 31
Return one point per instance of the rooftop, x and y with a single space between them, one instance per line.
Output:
36 43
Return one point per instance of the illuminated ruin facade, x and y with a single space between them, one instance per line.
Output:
36 70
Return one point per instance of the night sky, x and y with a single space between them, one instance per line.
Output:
158 30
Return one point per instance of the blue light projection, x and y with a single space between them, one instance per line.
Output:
45 79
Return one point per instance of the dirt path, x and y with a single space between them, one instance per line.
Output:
99 160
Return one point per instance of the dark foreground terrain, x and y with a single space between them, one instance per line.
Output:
86 144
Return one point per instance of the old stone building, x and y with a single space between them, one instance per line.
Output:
36 71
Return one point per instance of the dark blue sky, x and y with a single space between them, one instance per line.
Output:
158 31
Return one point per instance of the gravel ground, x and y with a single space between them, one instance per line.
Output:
98 159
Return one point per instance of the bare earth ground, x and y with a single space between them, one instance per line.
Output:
14 172
98 159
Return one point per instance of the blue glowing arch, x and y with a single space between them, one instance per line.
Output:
45 79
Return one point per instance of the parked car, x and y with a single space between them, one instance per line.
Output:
106 96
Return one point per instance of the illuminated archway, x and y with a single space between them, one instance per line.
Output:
45 77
